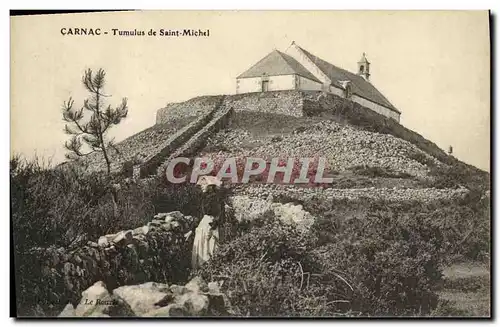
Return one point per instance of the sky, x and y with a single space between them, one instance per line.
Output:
434 66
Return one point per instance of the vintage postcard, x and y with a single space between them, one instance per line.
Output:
251 164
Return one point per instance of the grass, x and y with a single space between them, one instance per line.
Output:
466 288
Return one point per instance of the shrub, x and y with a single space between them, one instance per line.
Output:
383 264
65 207
56 207
446 308
269 271
392 261
458 175
422 158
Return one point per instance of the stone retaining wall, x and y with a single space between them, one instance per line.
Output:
279 102
194 107
157 251
265 191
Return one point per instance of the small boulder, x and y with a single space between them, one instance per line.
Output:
156 222
176 214
110 237
196 304
197 285
213 287
144 297
68 311
89 302
103 241
175 225
123 237
110 249
143 230
178 289
97 302
167 226
92 244
171 310
96 314
169 219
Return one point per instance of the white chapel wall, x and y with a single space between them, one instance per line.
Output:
367 103
276 83
308 85
376 107
337 91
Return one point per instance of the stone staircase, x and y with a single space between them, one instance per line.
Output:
219 118
185 141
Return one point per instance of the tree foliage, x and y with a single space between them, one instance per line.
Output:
91 131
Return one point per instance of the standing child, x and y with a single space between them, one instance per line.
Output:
208 234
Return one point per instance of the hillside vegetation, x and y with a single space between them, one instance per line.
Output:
399 214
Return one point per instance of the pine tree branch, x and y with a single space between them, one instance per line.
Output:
92 133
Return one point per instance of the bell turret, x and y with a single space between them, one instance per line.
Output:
364 67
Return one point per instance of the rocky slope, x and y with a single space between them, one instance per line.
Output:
343 146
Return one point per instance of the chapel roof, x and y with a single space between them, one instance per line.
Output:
277 63
360 86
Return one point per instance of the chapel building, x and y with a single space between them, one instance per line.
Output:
298 69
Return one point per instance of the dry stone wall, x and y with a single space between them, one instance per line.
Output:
304 194
194 107
143 154
279 102
136 148
314 103
157 251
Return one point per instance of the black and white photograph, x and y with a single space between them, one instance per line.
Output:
183 164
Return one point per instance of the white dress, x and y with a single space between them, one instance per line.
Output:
205 242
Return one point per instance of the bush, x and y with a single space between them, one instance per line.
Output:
422 158
446 308
464 223
392 261
269 270
383 264
66 207
56 207
458 175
